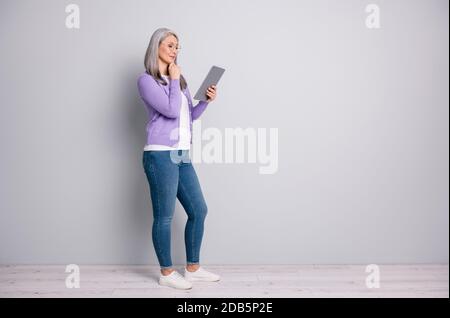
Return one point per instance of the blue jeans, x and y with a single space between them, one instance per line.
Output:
171 175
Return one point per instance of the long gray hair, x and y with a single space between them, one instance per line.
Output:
151 56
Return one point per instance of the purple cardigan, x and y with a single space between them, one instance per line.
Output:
163 103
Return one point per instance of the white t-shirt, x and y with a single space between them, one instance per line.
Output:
184 142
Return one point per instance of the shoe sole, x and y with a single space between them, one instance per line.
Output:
171 286
200 280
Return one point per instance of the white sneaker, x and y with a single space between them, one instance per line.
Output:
200 275
175 280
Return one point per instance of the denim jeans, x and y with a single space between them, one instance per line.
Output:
170 175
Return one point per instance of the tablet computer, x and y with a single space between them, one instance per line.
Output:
213 77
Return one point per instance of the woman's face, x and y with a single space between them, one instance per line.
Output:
168 49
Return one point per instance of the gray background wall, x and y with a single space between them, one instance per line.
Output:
362 116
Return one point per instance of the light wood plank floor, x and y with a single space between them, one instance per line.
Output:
246 281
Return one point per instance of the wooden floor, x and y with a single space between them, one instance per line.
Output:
237 281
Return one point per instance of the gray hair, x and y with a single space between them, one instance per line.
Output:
151 56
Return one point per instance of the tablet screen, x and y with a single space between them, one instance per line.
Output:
213 77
